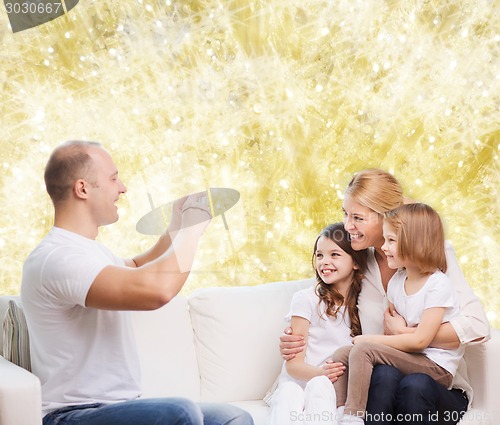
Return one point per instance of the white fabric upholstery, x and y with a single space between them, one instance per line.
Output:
166 350
484 374
236 334
4 305
221 344
16 346
20 396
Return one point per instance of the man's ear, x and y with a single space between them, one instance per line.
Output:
80 188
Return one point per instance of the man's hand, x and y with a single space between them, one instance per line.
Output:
176 219
333 370
195 210
291 344
188 211
394 323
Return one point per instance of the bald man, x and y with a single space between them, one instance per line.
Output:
77 297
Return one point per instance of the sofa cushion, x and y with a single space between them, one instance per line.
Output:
166 351
482 364
237 333
4 305
16 347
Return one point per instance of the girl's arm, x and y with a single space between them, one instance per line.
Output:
446 337
290 344
471 326
297 367
420 339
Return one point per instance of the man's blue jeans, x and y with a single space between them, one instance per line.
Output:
414 399
153 411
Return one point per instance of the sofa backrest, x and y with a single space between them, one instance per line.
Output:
236 331
167 352
167 370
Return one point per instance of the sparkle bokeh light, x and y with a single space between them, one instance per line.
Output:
280 100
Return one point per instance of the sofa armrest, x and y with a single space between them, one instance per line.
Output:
493 375
20 396
484 376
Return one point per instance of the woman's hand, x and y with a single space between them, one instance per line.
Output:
333 370
394 323
291 344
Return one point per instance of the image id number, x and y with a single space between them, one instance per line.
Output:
32 8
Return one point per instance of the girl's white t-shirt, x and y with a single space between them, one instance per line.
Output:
81 355
326 333
470 325
436 292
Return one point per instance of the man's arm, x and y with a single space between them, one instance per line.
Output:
159 248
165 241
160 273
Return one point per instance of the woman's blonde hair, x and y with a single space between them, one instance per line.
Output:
375 189
420 236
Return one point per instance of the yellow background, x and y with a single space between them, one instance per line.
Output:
280 100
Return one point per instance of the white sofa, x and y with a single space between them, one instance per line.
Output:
221 344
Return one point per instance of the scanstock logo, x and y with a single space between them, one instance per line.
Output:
25 14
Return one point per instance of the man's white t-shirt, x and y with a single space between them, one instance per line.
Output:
436 292
81 355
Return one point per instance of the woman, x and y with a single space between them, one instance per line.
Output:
417 398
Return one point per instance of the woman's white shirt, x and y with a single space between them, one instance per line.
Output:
372 300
